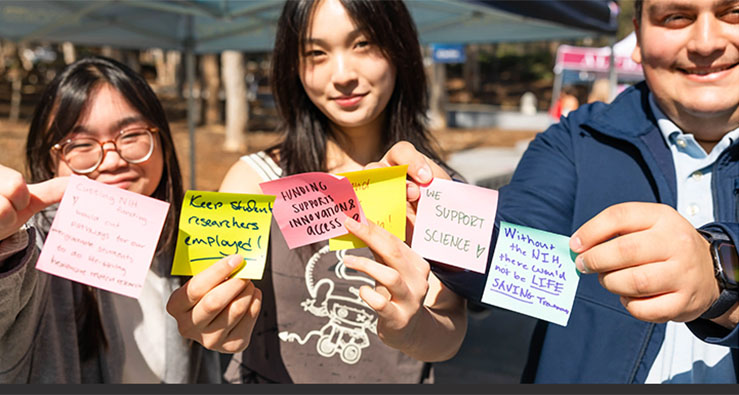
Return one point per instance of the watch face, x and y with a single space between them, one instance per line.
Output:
727 255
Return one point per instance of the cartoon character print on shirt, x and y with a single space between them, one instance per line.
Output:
349 317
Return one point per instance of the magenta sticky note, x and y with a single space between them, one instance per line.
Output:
103 236
454 224
310 207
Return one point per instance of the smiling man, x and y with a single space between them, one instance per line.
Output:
658 301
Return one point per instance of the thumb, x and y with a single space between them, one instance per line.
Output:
44 194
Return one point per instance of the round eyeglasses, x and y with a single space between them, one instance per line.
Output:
84 154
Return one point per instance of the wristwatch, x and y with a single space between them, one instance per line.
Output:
726 268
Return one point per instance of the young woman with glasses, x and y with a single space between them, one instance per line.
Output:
99 119
349 82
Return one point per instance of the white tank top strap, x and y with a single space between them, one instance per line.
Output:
263 165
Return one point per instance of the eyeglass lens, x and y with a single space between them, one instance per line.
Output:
85 154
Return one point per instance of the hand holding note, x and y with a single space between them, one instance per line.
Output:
402 282
651 256
411 303
421 171
217 311
20 201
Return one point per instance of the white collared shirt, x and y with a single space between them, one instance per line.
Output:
683 358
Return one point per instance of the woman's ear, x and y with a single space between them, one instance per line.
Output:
54 156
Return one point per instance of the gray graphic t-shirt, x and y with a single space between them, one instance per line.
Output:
314 327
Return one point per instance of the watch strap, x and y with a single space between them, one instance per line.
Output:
712 234
725 301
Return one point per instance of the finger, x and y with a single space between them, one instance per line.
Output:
379 303
661 308
412 191
384 275
14 189
642 281
374 165
232 313
629 250
208 309
380 289
404 153
240 336
46 193
8 218
190 294
616 220
19 202
389 249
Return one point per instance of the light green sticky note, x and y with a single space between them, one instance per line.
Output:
532 273
214 225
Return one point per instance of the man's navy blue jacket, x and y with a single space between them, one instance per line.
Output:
598 156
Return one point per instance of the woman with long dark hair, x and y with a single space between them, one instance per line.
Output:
349 82
54 330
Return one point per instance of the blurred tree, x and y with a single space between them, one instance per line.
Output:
70 55
237 107
625 18
472 69
211 81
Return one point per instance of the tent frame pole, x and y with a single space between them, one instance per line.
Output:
190 73
612 74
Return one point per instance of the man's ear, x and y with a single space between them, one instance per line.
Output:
636 53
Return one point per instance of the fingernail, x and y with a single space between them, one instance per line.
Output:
351 224
580 264
235 260
411 192
575 244
424 174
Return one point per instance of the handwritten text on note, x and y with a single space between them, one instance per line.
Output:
381 193
214 225
533 273
311 207
103 236
454 224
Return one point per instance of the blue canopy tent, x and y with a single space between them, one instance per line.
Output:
209 26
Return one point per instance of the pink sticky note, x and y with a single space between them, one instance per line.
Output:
103 236
311 207
454 224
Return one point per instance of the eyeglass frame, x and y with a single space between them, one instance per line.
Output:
59 147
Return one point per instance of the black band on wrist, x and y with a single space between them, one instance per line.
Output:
724 302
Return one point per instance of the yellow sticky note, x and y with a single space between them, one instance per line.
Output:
214 225
381 193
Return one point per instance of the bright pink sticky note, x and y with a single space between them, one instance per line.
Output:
311 207
103 236
454 224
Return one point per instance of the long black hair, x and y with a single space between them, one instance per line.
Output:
62 103
306 128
